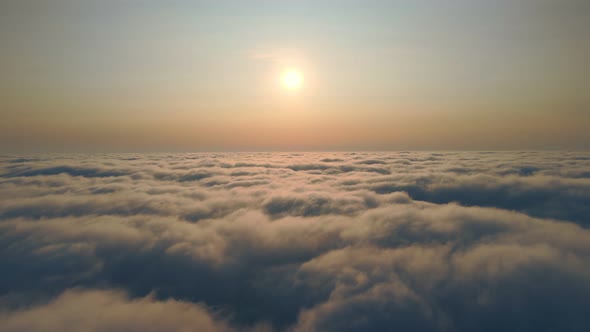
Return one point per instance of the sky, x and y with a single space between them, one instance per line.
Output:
132 75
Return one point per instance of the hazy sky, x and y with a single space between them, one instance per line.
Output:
133 75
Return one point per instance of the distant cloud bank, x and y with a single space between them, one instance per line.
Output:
467 241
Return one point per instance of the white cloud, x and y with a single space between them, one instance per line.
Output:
314 241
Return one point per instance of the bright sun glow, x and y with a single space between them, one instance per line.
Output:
292 79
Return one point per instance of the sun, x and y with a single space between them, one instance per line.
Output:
292 79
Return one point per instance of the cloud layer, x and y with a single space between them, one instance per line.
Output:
295 242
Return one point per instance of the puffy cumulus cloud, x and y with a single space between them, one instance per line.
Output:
541 196
315 204
490 285
295 242
95 310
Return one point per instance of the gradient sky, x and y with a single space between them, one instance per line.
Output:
132 75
